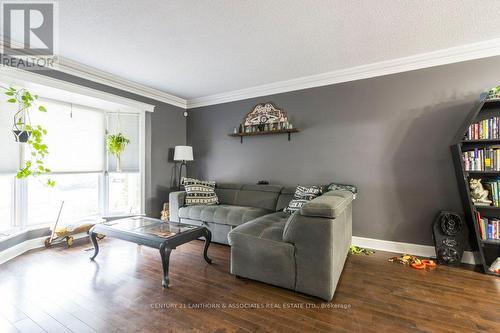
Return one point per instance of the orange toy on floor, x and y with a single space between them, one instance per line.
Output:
414 262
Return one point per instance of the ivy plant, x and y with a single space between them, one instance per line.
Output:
38 150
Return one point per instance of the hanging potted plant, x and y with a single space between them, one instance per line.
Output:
116 145
25 132
22 125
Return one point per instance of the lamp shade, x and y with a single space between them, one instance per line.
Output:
183 153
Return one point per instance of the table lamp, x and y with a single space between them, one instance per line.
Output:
183 154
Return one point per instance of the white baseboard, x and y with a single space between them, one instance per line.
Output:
375 244
26 246
20 248
398 247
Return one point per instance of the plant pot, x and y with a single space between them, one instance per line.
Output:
22 136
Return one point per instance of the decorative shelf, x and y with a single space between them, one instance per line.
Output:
490 172
486 207
287 131
491 241
485 141
492 102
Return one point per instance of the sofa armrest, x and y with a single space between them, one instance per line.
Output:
329 205
321 247
175 201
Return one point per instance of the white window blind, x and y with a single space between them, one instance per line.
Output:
75 137
9 163
128 125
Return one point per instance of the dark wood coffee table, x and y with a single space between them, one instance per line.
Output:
164 236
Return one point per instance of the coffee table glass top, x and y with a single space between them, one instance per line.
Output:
149 226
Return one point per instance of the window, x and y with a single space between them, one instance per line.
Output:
85 174
75 137
9 163
124 188
80 193
124 193
6 202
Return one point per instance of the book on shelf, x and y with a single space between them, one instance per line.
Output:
487 129
489 228
485 159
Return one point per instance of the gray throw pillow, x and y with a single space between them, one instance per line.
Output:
351 188
199 192
302 195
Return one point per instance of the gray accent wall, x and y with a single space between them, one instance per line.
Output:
389 136
165 128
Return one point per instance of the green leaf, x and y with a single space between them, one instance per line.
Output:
9 93
42 108
11 100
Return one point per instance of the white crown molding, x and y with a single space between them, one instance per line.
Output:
484 49
407 248
37 78
93 74
89 73
451 55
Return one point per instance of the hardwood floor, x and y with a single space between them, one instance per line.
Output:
60 290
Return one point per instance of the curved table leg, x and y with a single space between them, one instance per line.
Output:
165 258
93 238
208 239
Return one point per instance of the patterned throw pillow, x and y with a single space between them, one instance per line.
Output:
302 195
199 192
351 188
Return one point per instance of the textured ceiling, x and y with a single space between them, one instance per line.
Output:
197 48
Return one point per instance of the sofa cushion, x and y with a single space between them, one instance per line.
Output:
286 195
227 192
268 227
222 214
302 195
258 251
262 196
199 192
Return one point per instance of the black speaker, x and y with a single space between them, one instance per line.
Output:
450 233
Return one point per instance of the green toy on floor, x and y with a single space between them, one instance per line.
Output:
359 250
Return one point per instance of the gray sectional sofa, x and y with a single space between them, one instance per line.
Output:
304 251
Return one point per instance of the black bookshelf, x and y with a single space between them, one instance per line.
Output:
488 249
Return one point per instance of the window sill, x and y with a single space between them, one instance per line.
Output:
15 232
